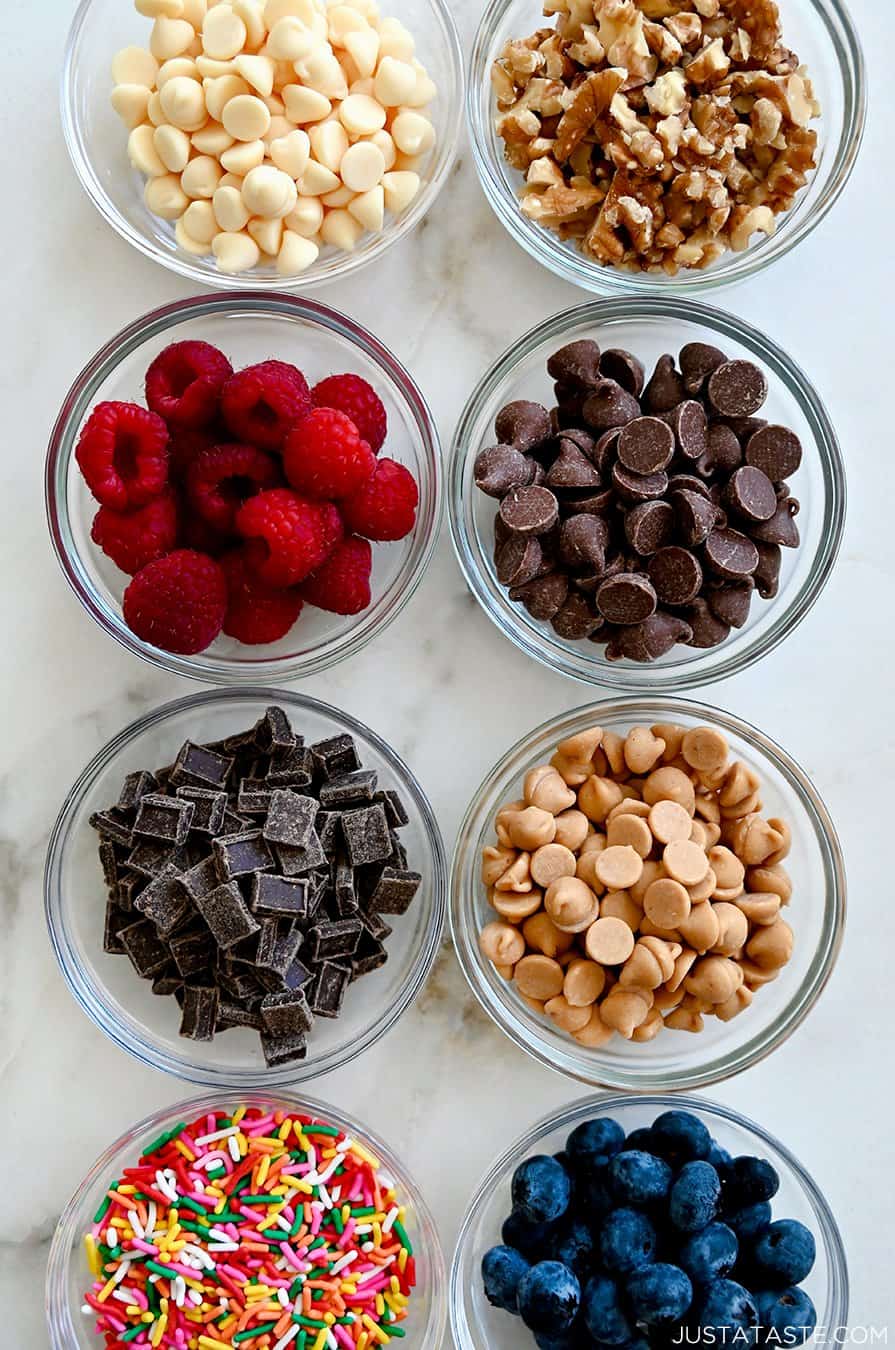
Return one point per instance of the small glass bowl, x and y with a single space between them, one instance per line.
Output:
476 1325
124 1006
68 1275
248 329
97 142
823 34
673 1061
649 327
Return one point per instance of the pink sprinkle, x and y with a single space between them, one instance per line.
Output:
343 1338
146 1247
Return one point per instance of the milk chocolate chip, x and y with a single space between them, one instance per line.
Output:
609 405
577 364
500 468
626 599
776 450
676 575
572 468
730 554
522 424
697 361
624 368
529 510
519 560
645 445
665 389
750 494
649 526
737 389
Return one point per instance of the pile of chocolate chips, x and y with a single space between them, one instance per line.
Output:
250 877
635 514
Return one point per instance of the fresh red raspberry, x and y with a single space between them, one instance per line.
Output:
184 384
256 613
184 446
177 603
134 538
342 584
197 534
219 480
358 400
123 454
385 507
262 402
325 457
294 535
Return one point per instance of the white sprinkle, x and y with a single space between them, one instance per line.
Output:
363 1228
288 1338
124 1295
233 1146
342 1262
283 1298
371 1274
111 1237
332 1342
223 1246
390 1219
121 1272
282 1222
199 1257
328 1171
194 1297
325 1197
219 1134
368 1247
219 1235
178 1289
151 1214
134 1221
153 1279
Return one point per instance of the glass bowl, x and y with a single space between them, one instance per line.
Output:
823 34
476 1325
649 327
248 328
97 142
672 1061
68 1275
124 1006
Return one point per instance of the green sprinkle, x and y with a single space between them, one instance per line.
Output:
315 1323
260 1199
158 1270
295 1287
103 1209
216 1172
133 1333
401 1231
330 1130
185 1202
363 1213
337 1221
393 1331
301 1340
252 1332
318 1242
156 1145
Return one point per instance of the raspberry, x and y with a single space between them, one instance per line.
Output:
262 402
220 479
256 612
359 401
197 534
123 454
134 538
177 603
325 457
342 584
184 384
385 507
184 446
294 535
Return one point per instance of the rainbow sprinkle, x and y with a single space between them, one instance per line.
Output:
262 1230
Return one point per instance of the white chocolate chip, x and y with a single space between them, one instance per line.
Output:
362 166
364 86
400 189
296 254
317 180
274 10
306 217
305 105
152 9
243 156
363 48
412 133
340 197
201 176
231 212
395 40
279 127
165 197
212 139
321 71
235 252
135 65
257 71
200 222
252 16
267 234
154 110
368 208
172 147
424 90
361 115
246 117
131 102
290 40
187 242
395 82
183 103
269 192
387 146
342 20
170 37
291 153
223 33
210 69
194 12
329 141
142 153
178 65
341 230
275 106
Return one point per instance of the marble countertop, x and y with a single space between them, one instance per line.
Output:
69 284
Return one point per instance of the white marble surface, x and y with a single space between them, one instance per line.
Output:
458 292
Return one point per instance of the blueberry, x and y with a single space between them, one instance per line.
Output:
639 1178
572 1243
592 1143
718 1157
749 1221
576 1338
640 1141
694 1197
748 1181
709 1255
604 1315
681 1137
784 1253
528 1238
659 1293
502 1269
627 1241
562 1158
541 1189
549 1297
785 1312
727 1306
591 1198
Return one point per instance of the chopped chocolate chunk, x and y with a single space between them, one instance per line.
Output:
232 1014
148 954
292 768
335 756
276 897
116 919
165 901
192 949
348 788
366 835
253 798
394 891
285 1050
113 825
227 915
237 855
200 1010
210 808
295 862
330 940
286 1013
163 819
328 990
290 818
141 783
369 956
274 734
200 766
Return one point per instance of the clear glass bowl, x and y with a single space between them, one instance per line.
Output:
247 329
124 1006
649 327
673 1060
823 34
476 1325
68 1275
97 142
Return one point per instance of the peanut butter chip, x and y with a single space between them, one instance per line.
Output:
542 933
609 941
670 821
502 943
566 1015
666 903
620 866
705 749
515 908
550 862
584 983
685 861
571 904
625 828
539 977
673 784
595 1032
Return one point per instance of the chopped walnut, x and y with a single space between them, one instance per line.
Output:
592 98
686 28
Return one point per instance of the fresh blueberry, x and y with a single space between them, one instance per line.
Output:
541 1189
718 1157
562 1158
528 1238
694 1198
591 1199
604 1314
502 1269
748 1181
784 1254
749 1221
639 1178
627 1241
549 1297
576 1337
727 1306
709 1255
572 1243
789 1313
639 1141
592 1143
659 1293
681 1137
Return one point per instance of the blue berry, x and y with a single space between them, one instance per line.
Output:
694 1197
784 1254
604 1314
572 1243
640 1141
749 1221
627 1241
639 1178
727 1306
502 1269
541 1189
592 1143
718 1157
681 1137
528 1238
659 1293
549 1297
591 1198
709 1255
750 1180
785 1312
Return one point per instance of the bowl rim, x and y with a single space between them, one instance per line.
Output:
712 665
601 1105
547 250
349 262
63 1334
90 994
573 1062
76 404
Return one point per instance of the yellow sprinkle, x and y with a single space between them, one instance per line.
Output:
159 1330
133 1310
126 1190
394 1285
329 1318
105 1291
209 1343
377 1234
263 1169
380 1305
370 1158
346 1213
92 1254
283 1132
402 1260
374 1330
148 1317
182 1148
363 1341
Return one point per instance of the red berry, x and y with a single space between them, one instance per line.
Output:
184 446
184 384
134 538
123 454
385 507
220 479
342 584
256 612
358 400
325 457
177 603
262 402
197 534
294 535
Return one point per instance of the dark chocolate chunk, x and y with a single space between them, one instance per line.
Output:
737 388
609 405
501 467
278 946
192 949
628 598
296 862
199 880
529 510
200 766
649 527
253 798
394 891
623 367
731 603
109 862
337 755
775 450
543 596
645 445
327 993
200 1011
113 825
665 389
577 364
286 1013
165 901
366 835
290 818
163 819
348 788
730 554
274 734
148 954
369 956
136 785
676 576
277 897
636 487
227 915
297 975
283 1050
571 468
518 560
781 527
328 941
209 809
292 768
328 825
116 919
395 809
522 424
237 855
167 982
697 361
750 494
150 858
375 924
707 630
232 1015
